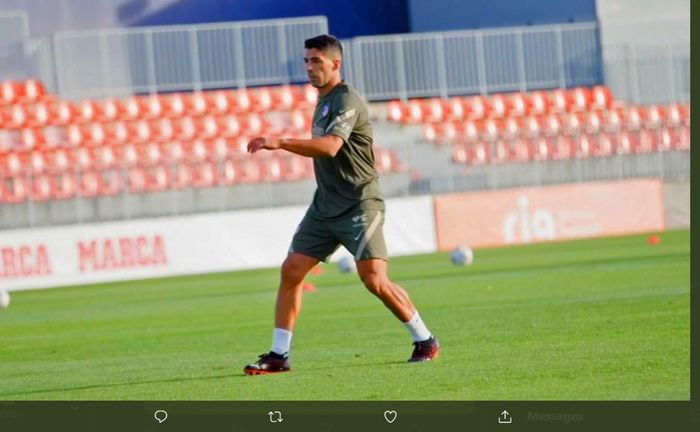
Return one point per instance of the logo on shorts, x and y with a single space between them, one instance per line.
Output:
359 220
325 111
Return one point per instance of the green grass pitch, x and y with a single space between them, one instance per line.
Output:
602 319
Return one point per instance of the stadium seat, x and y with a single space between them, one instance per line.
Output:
562 147
14 189
59 160
499 152
656 116
519 104
40 188
541 149
534 126
520 151
512 127
500 105
603 145
111 109
14 164
579 99
64 186
635 117
477 107
539 103
249 171
601 98
106 157
678 115
227 174
559 101
10 92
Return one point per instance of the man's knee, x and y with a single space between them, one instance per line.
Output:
375 283
292 270
295 267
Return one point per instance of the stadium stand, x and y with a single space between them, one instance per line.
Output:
541 126
53 149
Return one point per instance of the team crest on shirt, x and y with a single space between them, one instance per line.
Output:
324 112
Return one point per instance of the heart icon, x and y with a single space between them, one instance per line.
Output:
390 416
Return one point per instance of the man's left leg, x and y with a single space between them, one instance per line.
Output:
373 273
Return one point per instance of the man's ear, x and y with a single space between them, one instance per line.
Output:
336 64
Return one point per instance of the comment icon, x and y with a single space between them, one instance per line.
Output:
160 415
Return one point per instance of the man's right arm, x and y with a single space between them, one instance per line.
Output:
325 146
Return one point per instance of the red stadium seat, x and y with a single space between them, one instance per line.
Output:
64 186
613 120
541 149
626 144
228 174
562 148
594 121
106 157
636 117
59 160
249 171
512 127
88 111
37 162
579 99
601 98
10 92
500 105
41 188
678 115
520 151
539 103
111 110
33 90
435 110
604 145
477 107
520 105
559 101
656 116
534 126
14 164
14 189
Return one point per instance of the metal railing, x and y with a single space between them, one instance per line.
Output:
476 61
646 74
189 57
14 32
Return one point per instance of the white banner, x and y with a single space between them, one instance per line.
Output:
74 255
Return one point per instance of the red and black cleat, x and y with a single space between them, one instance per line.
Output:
425 350
268 363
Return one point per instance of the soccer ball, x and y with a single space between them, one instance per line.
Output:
347 265
4 299
463 255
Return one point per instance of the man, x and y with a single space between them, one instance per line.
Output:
347 208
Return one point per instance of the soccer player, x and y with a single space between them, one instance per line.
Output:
347 208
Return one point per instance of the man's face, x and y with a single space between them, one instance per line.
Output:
320 66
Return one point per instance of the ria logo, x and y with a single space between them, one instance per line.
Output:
524 225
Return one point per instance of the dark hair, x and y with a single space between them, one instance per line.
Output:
324 42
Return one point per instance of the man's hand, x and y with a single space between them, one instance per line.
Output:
263 143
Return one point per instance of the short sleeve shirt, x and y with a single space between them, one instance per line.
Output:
348 179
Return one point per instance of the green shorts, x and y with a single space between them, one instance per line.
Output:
361 232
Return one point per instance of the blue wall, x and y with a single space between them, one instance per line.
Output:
440 15
345 18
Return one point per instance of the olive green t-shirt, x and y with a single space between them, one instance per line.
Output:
348 179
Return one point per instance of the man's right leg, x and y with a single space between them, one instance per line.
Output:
294 269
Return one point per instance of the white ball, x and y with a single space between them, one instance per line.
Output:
347 265
463 255
4 299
